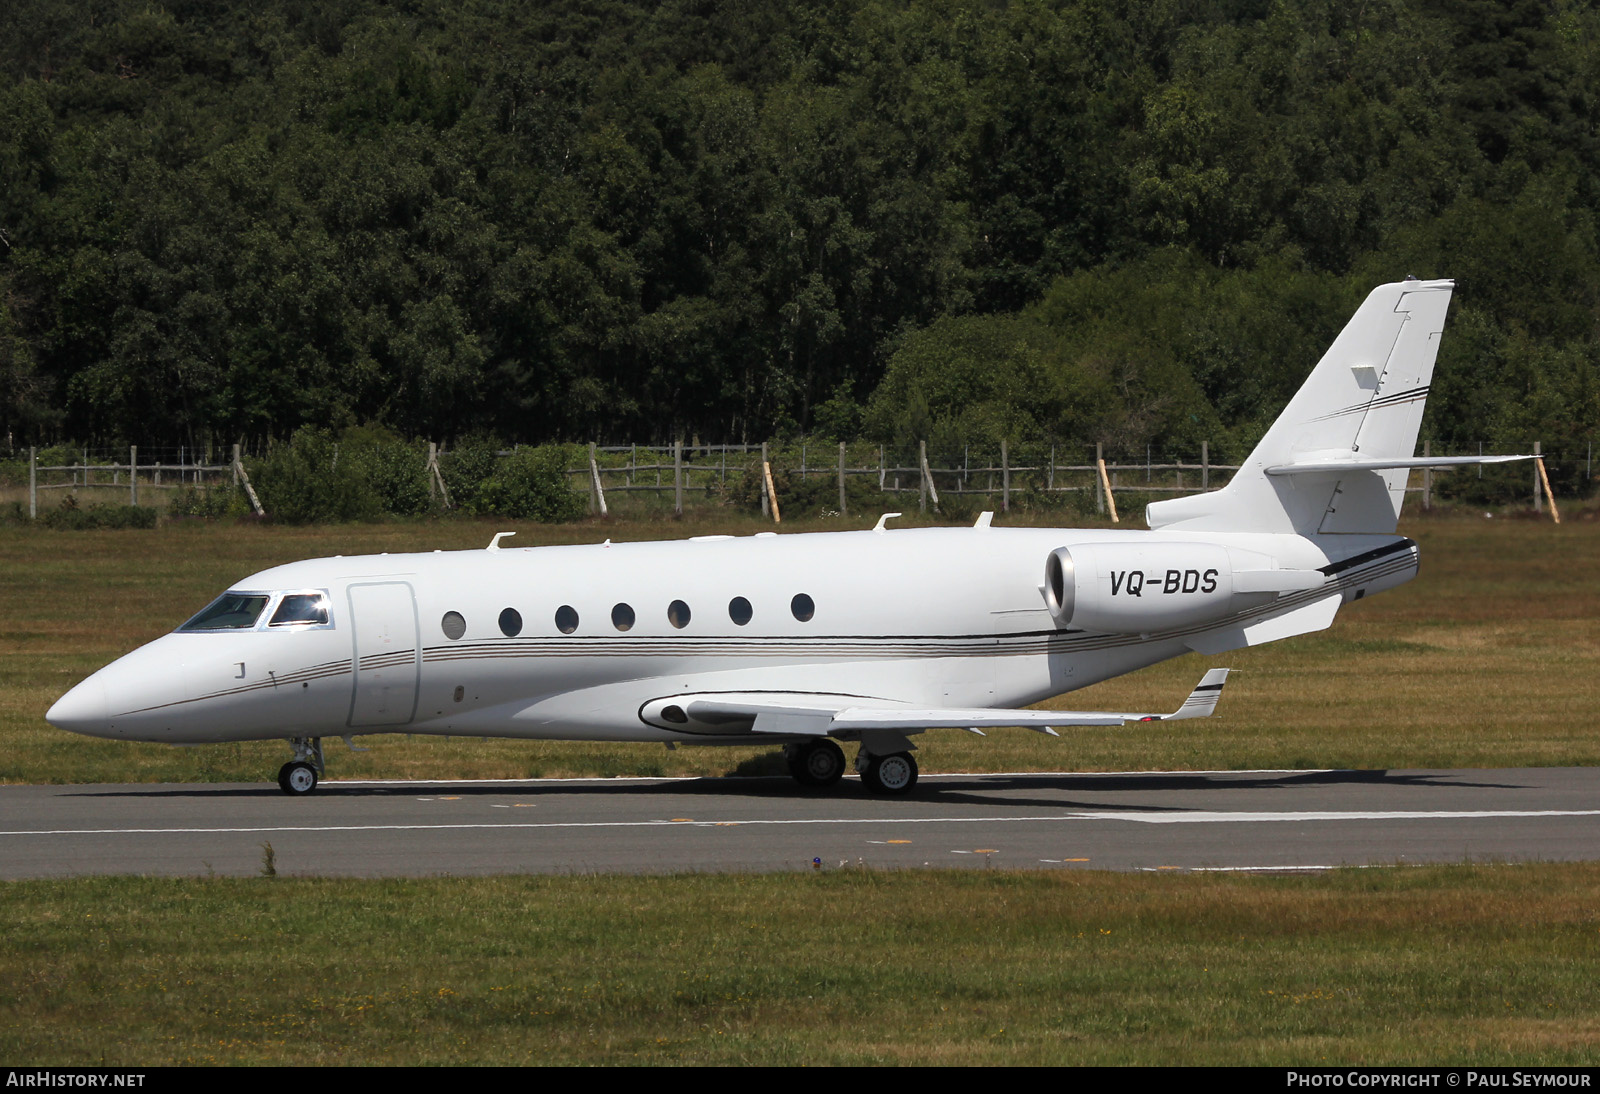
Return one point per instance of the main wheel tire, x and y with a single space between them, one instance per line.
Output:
895 773
297 777
817 763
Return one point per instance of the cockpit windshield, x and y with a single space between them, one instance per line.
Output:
232 611
302 608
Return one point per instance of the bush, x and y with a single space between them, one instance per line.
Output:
209 502
467 467
529 484
305 482
395 471
70 516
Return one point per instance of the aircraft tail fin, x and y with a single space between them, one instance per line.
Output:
1332 462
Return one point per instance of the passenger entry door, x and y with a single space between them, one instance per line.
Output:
388 658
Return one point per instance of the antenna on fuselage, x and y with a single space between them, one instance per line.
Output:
494 544
883 521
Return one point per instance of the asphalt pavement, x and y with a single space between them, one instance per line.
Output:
1235 820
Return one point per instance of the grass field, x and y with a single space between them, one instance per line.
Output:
1490 657
1480 965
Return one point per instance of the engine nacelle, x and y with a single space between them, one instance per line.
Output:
1131 588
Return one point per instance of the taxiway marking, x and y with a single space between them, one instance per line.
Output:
1181 817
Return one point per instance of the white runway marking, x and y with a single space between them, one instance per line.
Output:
1189 817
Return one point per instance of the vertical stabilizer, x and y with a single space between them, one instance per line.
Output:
1362 404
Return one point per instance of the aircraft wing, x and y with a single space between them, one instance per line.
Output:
793 715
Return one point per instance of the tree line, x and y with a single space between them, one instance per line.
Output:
1108 221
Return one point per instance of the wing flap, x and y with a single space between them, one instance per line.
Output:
800 715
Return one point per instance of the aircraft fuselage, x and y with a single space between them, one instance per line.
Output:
594 642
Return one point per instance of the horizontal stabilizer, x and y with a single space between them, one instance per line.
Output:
1378 463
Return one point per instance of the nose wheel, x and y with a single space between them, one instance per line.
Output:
299 776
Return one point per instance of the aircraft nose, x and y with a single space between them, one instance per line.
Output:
83 709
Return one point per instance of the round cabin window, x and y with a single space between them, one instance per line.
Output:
566 619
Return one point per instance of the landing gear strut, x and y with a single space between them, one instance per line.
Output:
895 773
815 763
299 776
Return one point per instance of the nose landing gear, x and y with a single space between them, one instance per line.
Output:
299 776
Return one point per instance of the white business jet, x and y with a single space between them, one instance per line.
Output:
808 640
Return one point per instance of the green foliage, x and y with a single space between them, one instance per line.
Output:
305 482
364 473
467 466
209 502
667 220
531 484
69 515
979 378
395 471
815 494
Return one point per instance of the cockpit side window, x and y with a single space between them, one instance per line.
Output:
232 611
301 608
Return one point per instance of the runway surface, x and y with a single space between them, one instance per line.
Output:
1255 820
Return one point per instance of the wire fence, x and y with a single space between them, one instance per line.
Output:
830 477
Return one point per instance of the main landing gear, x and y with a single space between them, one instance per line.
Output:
299 776
815 763
821 763
893 774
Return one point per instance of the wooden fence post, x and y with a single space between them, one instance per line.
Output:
133 474
239 475
766 480
1554 512
1005 477
928 487
844 508
1205 465
593 505
772 494
597 490
33 483
1105 483
677 477
922 476
1538 469
1100 462
436 477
